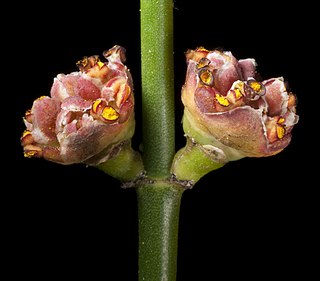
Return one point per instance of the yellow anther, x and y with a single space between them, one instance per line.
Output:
82 63
95 105
238 93
281 120
222 100
26 138
202 49
100 64
203 63
109 113
280 131
28 116
26 133
239 89
206 76
256 91
29 154
256 86
42 97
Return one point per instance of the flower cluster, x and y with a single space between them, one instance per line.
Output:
87 113
227 106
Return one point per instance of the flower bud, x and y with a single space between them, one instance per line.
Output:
87 113
229 107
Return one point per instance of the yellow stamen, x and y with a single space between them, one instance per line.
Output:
25 133
222 100
42 97
203 63
239 89
281 120
280 132
95 105
82 63
109 113
28 116
26 138
256 86
100 64
206 77
202 49
30 153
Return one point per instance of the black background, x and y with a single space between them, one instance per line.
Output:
253 219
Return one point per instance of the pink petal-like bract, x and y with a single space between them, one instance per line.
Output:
87 113
228 106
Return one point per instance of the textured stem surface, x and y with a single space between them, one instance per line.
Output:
158 198
158 210
157 86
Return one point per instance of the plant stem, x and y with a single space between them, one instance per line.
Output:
194 161
158 197
158 211
157 75
125 165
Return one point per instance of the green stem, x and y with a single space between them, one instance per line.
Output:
125 164
158 211
158 197
157 75
194 161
